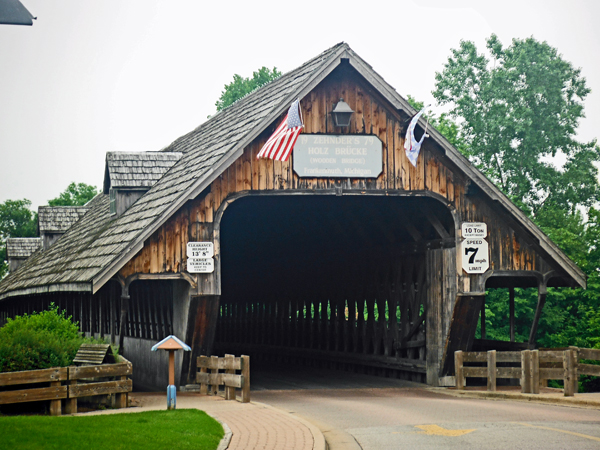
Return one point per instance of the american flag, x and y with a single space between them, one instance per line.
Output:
280 144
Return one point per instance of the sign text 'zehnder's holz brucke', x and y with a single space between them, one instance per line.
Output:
342 156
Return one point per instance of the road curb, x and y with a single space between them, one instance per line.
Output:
226 437
537 398
318 438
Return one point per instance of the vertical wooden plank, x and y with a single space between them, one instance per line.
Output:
70 403
458 367
390 151
277 175
55 405
246 375
569 367
203 369
575 364
535 372
526 372
491 368
229 391
358 116
214 362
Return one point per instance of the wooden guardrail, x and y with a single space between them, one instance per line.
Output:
223 373
68 384
90 381
532 367
55 392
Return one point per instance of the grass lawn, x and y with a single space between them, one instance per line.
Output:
180 429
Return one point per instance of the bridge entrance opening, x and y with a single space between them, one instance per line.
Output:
330 281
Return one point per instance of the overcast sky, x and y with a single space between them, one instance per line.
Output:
133 75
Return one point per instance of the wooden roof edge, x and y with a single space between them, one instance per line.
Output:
226 160
48 288
457 158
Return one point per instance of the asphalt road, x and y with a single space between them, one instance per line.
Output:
358 411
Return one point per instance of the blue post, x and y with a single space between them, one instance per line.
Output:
171 397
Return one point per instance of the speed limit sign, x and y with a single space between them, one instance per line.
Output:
475 255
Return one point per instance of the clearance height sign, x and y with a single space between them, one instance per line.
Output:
474 248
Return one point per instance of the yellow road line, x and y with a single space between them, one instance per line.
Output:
593 438
439 431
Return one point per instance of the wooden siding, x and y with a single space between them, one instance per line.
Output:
165 251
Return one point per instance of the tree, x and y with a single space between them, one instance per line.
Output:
16 220
240 86
76 194
515 113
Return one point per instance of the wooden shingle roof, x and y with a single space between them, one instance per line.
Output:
141 170
22 248
96 248
58 219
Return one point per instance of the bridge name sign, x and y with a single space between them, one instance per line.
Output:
338 156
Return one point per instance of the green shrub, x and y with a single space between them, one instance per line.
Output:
39 341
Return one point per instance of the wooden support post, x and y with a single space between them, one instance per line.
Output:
526 372
122 399
203 386
511 308
70 403
458 367
535 372
201 328
246 375
123 322
491 368
214 388
570 376
538 313
575 357
229 391
55 405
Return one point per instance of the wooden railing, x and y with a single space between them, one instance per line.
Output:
532 367
55 392
223 373
68 384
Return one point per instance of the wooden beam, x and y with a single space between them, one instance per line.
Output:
538 314
433 219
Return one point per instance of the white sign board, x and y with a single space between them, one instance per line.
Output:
475 255
338 156
200 250
200 265
474 230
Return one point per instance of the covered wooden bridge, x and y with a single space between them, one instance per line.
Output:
345 254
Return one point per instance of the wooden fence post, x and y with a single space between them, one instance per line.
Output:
246 375
575 357
70 403
458 370
203 386
569 372
526 371
229 391
55 405
535 372
214 362
491 370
